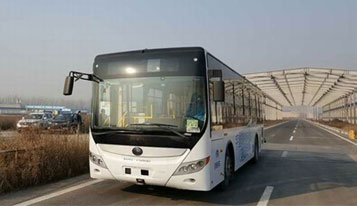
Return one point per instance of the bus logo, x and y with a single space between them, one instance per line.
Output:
137 151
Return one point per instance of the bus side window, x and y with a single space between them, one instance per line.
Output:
231 112
242 103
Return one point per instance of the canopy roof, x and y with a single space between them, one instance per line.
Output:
305 86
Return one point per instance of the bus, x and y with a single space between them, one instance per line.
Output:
174 117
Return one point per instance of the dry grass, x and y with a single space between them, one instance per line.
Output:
8 122
46 158
86 123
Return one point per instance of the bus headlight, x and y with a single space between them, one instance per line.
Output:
192 167
96 159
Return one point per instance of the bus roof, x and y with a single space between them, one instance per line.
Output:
175 49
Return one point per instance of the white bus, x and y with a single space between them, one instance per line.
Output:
175 117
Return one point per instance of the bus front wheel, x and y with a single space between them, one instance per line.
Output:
228 170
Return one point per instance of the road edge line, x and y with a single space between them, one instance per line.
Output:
57 193
264 199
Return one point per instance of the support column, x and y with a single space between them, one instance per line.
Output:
343 109
346 110
354 108
350 110
265 108
349 102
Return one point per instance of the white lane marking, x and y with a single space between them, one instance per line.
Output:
58 193
285 154
291 138
347 140
266 196
294 131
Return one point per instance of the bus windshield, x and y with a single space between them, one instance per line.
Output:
143 103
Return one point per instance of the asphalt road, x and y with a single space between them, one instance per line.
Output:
301 164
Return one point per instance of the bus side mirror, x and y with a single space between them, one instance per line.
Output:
218 91
68 86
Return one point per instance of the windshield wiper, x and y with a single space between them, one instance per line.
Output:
165 126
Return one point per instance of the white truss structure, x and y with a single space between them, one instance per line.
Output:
306 86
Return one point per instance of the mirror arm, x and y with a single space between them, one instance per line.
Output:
84 76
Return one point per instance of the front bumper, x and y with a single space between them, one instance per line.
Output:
27 126
160 172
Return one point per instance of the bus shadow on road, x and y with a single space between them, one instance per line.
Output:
299 174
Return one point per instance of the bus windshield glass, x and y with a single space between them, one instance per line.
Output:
145 102
151 92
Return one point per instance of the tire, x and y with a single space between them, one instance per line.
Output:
228 171
256 151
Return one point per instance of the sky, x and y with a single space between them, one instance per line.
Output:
41 41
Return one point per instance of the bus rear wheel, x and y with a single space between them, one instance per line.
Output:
228 170
256 151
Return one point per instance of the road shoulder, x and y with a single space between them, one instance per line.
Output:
16 197
335 132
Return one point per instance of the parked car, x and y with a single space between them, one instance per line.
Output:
34 120
63 122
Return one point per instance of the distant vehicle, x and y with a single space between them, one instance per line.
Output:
171 117
63 122
34 120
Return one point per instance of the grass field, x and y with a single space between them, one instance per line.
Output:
8 122
41 158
